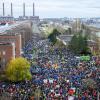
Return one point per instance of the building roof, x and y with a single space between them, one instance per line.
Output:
3 43
98 34
66 38
7 29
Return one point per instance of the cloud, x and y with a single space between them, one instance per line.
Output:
54 8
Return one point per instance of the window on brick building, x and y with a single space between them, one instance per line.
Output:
3 52
4 62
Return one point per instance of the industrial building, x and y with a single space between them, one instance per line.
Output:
6 19
32 18
12 39
10 19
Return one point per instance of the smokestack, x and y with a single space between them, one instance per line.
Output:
3 9
11 10
24 9
33 10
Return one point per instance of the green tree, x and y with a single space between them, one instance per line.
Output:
18 70
53 35
73 45
85 44
69 31
79 44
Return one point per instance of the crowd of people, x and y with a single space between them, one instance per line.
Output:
62 75
57 74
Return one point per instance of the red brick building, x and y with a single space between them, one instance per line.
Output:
7 52
10 47
12 39
16 39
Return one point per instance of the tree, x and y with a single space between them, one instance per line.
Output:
79 44
18 70
69 31
73 45
85 44
53 35
96 50
82 43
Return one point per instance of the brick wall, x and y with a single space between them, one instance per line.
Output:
6 54
16 39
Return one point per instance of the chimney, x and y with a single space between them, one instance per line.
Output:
11 10
3 9
33 10
24 9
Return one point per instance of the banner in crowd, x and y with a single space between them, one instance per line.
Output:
85 58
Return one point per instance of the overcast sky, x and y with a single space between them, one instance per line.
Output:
54 8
